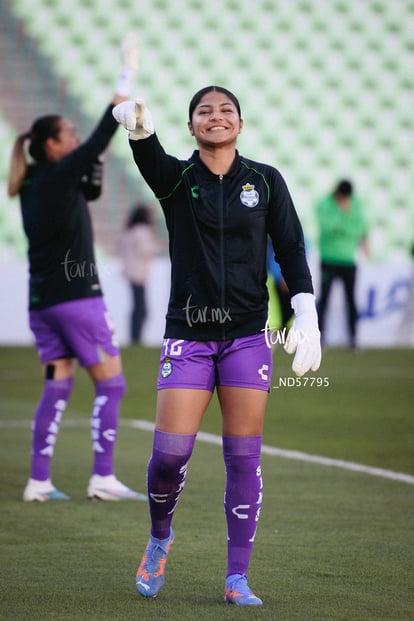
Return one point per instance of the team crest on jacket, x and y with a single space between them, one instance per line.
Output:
249 196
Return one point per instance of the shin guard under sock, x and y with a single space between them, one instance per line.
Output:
243 498
104 422
46 424
166 474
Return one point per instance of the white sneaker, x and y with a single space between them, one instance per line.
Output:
42 491
109 488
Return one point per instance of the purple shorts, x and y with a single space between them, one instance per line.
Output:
244 362
79 329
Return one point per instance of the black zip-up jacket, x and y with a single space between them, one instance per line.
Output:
218 227
57 222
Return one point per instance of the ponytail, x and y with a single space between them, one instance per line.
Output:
43 128
18 165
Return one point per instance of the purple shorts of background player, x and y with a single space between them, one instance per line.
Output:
79 329
244 362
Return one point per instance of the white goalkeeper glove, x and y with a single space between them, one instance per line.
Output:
135 117
129 62
304 337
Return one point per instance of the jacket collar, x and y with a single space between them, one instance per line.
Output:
205 171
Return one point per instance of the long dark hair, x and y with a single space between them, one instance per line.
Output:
139 214
43 128
207 89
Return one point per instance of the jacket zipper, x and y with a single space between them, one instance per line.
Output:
221 239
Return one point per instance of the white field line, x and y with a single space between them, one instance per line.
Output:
298 455
274 451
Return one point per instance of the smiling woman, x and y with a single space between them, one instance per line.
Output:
215 120
219 209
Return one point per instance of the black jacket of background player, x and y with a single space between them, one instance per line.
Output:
57 222
218 227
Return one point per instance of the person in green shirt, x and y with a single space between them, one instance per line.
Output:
342 231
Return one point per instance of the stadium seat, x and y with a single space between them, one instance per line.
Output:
326 88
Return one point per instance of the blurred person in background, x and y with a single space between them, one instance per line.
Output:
137 248
342 232
67 311
219 208
280 288
405 331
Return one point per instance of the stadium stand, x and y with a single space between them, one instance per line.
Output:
11 235
326 88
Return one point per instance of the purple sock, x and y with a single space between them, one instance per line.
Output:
243 498
46 423
104 422
167 471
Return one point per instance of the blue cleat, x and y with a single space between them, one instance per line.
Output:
237 592
150 575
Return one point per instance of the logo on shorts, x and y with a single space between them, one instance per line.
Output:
249 197
263 372
166 368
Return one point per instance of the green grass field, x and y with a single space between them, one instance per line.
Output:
332 544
